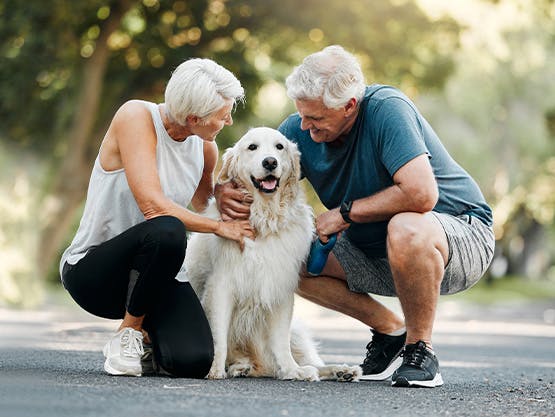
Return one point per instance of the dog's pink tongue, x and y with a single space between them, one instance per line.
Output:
269 184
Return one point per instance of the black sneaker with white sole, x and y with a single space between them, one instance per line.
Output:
382 356
420 368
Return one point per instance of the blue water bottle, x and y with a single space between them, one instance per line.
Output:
319 255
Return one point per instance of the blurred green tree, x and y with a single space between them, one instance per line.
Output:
496 114
66 66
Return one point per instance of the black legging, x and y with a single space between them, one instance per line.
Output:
135 271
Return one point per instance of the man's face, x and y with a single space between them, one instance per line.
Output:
325 124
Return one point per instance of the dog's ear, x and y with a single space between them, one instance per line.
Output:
295 156
229 166
295 159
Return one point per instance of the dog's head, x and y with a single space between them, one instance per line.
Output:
263 160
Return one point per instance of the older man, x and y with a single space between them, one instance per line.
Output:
412 222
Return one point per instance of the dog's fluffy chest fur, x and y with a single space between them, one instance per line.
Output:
267 269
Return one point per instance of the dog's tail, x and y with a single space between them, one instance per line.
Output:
303 346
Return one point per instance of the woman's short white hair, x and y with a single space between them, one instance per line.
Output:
200 87
332 74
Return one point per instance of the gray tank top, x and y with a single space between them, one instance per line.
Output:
111 208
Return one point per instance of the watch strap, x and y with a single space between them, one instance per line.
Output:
345 210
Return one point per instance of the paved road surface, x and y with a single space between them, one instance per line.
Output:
496 361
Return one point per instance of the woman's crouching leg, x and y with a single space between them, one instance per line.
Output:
180 333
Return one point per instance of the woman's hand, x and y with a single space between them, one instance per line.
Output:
236 230
233 202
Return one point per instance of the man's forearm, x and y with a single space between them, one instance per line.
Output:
385 204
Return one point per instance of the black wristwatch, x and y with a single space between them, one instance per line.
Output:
345 210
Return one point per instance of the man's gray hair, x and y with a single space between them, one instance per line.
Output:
332 74
200 87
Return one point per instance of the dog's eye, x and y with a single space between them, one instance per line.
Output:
279 146
252 147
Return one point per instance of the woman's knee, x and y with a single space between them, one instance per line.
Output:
168 232
189 364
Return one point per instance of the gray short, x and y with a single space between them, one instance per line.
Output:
471 245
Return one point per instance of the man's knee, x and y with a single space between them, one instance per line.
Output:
414 237
406 233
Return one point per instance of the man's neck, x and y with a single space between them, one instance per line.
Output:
350 122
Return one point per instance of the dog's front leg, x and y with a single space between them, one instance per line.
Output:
217 303
280 345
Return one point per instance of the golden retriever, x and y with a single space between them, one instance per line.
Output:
248 295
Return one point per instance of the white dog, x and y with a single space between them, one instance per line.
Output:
248 296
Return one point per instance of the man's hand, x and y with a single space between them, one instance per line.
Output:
329 223
232 201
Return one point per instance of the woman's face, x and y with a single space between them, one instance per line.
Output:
209 128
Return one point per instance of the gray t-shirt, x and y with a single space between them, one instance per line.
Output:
388 133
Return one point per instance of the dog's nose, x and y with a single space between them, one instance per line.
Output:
270 163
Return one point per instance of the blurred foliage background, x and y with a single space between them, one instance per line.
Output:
481 71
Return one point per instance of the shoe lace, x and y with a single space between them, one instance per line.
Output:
132 343
373 349
414 354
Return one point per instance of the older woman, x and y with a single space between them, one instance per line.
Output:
125 261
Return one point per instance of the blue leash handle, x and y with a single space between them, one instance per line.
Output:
318 255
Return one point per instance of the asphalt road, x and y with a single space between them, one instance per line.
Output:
496 361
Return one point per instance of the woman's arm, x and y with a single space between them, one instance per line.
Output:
205 189
134 136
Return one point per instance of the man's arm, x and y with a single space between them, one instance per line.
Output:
414 190
232 201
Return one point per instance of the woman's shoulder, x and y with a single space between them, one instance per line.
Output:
133 120
210 151
134 108
133 114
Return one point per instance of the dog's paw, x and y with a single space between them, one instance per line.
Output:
239 370
346 373
301 373
216 373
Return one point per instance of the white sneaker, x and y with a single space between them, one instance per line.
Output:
123 353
